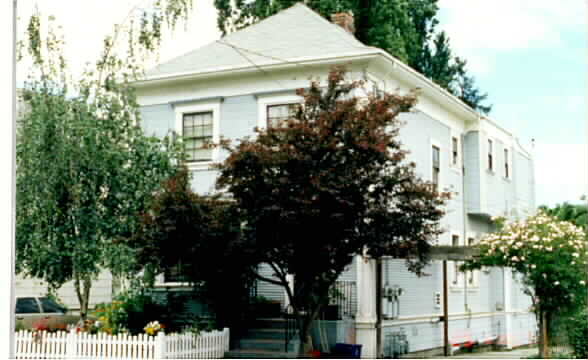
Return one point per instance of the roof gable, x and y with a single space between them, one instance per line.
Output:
297 32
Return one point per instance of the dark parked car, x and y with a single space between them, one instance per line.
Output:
42 312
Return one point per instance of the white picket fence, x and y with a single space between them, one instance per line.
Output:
72 345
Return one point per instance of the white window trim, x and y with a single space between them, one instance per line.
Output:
434 142
196 107
509 162
493 170
267 100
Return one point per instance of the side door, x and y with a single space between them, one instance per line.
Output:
28 312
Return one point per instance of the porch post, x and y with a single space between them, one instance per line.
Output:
290 279
366 319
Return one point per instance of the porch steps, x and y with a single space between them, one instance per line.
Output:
265 341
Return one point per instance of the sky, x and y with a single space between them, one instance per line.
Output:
530 56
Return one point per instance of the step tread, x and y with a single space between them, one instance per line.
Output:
270 354
265 341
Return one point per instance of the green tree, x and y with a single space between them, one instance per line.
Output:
574 213
84 166
551 257
403 28
329 184
200 238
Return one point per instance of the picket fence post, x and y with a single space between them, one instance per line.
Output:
71 345
160 346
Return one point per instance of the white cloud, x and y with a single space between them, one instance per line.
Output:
86 23
480 28
561 172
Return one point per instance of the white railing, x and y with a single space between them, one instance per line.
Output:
63 345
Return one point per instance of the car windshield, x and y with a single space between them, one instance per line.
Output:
49 306
27 306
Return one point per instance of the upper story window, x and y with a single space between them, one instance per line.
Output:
197 132
506 164
278 115
490 153
454 151
198 123
436 169
275 109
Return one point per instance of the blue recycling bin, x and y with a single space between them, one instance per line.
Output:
347 351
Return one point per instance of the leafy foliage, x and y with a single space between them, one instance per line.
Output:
574 213
403 28
330 184
200 235
548 253
84 166
578 334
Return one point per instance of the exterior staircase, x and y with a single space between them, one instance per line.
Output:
266 340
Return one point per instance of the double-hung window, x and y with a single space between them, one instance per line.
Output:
436 168
278 115
197 133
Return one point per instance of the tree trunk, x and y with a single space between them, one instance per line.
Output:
543 338
83 293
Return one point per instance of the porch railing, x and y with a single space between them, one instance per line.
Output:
344 295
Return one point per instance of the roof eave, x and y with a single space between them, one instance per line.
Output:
245 69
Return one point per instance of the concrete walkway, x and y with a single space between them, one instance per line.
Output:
506 354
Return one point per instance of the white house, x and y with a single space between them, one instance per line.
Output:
240 81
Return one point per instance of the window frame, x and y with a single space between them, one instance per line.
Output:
455 152
200 107
267 109
436 185
198 138
490 155
263 101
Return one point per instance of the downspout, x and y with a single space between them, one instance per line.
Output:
464 214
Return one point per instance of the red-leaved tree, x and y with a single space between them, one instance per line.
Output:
330 183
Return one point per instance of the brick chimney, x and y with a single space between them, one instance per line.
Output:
345 20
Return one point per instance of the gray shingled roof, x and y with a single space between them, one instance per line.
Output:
297 32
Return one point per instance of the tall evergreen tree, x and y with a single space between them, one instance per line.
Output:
404 28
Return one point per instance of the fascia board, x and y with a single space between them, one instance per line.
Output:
244 69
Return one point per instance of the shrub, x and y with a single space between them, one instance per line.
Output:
578 335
